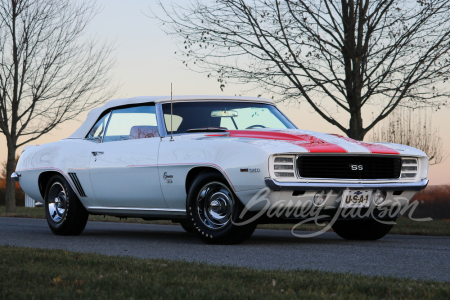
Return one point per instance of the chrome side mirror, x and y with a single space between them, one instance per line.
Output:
15 176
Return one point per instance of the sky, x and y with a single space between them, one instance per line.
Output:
146 66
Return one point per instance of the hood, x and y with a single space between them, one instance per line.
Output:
304 141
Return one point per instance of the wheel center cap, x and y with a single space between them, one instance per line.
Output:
215 204
218 205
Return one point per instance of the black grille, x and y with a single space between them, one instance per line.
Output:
77 183
334 166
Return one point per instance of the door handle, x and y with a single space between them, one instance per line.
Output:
96 153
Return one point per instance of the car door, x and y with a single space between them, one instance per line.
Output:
123 167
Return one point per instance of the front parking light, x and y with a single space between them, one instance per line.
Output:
319 198
379 197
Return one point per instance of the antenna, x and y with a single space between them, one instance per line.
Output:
171 114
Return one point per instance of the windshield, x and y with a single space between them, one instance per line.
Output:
228 115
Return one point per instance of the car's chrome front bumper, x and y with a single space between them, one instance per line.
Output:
312 186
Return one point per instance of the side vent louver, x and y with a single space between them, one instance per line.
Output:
77 183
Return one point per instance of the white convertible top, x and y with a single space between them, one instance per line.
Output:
94 114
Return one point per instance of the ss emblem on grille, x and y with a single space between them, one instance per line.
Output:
356 167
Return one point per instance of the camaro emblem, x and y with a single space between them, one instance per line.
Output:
356 167
168 178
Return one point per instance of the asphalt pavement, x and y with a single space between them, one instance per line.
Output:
419 257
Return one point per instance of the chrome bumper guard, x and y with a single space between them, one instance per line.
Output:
316 186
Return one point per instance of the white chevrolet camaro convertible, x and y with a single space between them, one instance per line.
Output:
233 163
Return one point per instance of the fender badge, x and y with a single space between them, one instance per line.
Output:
251 170
167 178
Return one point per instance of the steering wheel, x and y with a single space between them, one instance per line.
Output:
256 126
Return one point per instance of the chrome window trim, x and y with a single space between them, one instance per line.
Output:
292 123
160 120
108 114
121 107
107 124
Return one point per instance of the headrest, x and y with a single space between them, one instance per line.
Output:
143 132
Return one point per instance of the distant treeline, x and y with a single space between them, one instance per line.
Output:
434 202
20 195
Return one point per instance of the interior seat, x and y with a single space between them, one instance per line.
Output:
143 132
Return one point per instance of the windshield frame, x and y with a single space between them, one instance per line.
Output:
160 111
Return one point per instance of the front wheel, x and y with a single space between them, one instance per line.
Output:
368 230
187 226
64 212
214 211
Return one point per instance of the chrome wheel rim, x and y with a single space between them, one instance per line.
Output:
57 202
215 205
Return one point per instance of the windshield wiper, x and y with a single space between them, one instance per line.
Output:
208 129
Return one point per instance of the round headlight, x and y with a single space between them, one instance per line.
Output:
379 197
319 198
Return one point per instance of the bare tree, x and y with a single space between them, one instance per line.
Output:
49 73
339 56
412 128
19 194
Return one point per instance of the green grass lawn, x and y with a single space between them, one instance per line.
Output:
404 225
28 273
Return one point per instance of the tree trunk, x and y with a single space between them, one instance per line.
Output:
356 130
10 191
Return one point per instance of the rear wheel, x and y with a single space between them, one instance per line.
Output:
64 212
369 230
213 210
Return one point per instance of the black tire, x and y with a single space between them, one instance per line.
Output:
228 233
187 226
369 230
67 216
